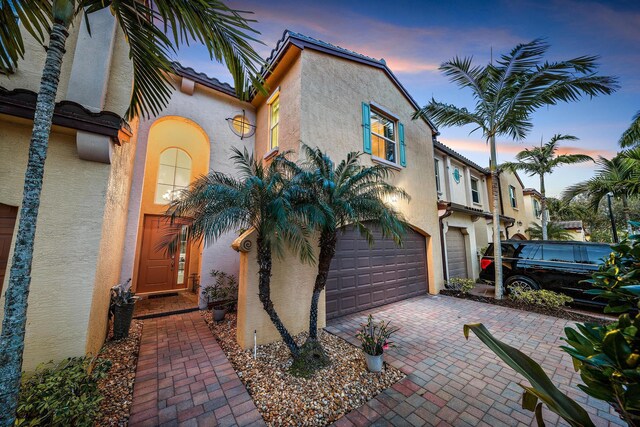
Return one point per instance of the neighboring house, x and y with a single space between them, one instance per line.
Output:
514 220
320 95
532 206
463 209
575 229
83 210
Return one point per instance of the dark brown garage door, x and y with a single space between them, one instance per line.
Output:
456 253
362 277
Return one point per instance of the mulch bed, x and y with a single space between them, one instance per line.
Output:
283 399
117 387
506 302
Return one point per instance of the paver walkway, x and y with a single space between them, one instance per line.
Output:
184 378
454 382
159 304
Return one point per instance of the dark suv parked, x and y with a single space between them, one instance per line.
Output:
553 265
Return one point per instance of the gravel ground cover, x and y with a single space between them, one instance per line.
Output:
283 399
117 387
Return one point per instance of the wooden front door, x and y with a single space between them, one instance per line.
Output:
159 270
7 222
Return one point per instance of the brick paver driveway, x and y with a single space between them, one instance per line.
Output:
454 382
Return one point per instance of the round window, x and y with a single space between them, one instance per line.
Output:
242 125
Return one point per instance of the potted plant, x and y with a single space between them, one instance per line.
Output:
375 339
221 295
122 304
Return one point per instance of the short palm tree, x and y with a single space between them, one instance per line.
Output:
631 136
154 29
616 176
506 94
542 161
346 194
553 232
258 198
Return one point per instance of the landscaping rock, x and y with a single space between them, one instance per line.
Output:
283 399
117 387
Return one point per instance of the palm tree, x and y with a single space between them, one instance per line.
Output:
614 176
542 161
154 29
260 198
347 194
631 136
552 232
506 94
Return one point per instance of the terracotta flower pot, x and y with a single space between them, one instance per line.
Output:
374 363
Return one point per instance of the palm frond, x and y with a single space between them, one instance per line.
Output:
631 136
34 15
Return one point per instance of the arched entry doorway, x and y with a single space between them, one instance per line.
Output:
362 277
178 151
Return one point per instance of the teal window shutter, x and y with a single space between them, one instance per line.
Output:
403 156
366 127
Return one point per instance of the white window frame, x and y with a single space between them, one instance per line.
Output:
476 191
537 208
275 97
512 197
373 110
438 183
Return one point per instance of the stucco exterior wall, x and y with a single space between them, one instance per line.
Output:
320 104
207 110
67 244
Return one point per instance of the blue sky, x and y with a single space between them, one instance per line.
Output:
414 37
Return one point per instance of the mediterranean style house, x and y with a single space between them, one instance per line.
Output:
108 183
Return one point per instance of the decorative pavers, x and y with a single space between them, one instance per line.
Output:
160 305
454 382
183 378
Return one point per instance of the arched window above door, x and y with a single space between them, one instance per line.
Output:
174 175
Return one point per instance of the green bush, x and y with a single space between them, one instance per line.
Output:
460 284
63 394
539 297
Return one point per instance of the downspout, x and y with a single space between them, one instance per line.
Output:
447 213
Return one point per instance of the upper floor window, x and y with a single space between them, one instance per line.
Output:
174 175
512 196
475 191
274 120
383 137
537 210
438 185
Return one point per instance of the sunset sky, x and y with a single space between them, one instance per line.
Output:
414 37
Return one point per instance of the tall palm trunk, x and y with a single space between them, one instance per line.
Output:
543 207
497 247
264 294
625 211
15 307
328 240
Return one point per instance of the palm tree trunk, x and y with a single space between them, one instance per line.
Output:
15 307
328 240
543 207
264 294
497 247
625 211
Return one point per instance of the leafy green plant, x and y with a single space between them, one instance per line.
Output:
618 279
224 292
375 337
542 390
63 394
121 294
460 284
540 297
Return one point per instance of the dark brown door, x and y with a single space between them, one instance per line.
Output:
160 270
363 277
7 222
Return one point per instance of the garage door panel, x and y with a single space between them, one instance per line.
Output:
362 277
456 253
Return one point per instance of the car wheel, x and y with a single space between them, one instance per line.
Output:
521 282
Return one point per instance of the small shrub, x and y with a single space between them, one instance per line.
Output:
224 292
539 297
376 336
63 394
460 284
